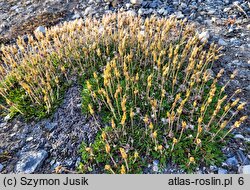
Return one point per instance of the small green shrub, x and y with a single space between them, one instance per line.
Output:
157 101
148 83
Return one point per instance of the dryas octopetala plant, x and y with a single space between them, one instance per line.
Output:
147 84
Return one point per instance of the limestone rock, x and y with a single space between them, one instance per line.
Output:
31 161
136 2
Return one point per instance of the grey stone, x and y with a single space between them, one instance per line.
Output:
78 161
183 5
88 11
148 11
55 165
128 5
242 158
235 42
221 42
236 63
163 11
52 162
41 29
208 22
222 171
2 125
29 162
213 168
179 15
7 117
50 126
3 16
153 5
29 139
14 8
247 139
136 2
238 136
244 74
244 169
1 167
248 26
175 2
13 134
69 162
155 162
141 11
155 168
236 3
211 11
204 36
106 7
232 162
227 9
131 13
192 16
26 129
76 16
230 32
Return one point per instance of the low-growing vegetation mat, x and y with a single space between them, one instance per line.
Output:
146 84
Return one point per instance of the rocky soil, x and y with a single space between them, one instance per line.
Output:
48 144
51 145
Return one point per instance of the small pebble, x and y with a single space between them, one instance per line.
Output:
41 29
222 171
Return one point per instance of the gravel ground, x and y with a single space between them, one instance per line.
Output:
57 138
52 143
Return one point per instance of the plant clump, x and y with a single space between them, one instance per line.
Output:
157 100
147 84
